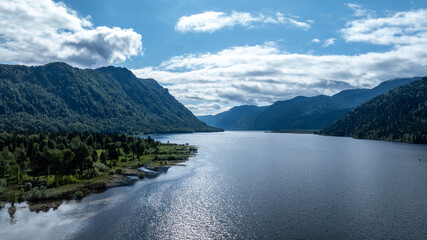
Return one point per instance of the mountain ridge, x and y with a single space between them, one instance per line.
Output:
303 113
59 97
398 115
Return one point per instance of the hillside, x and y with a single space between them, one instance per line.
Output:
399 115
58 97
237 118
299 113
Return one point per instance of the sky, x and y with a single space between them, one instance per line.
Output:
213 55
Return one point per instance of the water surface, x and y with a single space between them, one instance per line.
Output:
254 185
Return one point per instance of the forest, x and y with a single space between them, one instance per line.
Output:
399 115
59 98
39 161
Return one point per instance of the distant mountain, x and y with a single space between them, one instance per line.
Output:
299 113
399 115
58 97
237 118
320 111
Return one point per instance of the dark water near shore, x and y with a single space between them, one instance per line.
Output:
253 185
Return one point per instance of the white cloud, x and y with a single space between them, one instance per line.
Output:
213 21
401 28
200 109
316 40
262 74
329 42
359 11
37 32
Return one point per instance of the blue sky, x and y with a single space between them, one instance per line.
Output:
213 55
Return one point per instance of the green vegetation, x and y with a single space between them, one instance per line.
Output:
52 166
299 113
399 115
59 98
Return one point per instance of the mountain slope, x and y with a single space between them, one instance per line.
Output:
320 111
299 113
399 115
58 97
237 118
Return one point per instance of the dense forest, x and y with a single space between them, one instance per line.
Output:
35 166
59 98
299 113
399 115
65 157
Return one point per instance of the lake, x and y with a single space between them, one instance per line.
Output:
254 185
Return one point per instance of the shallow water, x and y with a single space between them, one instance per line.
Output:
255 185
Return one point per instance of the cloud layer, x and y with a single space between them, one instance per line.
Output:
37 32
262 74
213 21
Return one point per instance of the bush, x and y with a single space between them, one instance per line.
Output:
51 182
28 186
141 175
100 166
67 180
78 194
119 171
13 199
35 194
111 172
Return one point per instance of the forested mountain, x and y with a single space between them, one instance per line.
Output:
58 97
237 118
399 115
302 113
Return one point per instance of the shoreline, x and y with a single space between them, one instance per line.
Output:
54 197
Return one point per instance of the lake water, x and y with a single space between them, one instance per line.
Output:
255 185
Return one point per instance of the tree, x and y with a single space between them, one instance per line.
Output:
126 149
104 157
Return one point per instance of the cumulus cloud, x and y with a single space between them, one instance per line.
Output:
329 42
37 32
213 21
262 74
315 40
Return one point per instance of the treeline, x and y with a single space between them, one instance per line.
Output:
399 115
32 155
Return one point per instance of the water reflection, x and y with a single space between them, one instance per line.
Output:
248 185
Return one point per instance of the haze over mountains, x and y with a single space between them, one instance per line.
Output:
57 97
299 113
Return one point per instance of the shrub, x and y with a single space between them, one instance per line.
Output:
51 182
12 198
28 186
141 175
100 166
111 172
35 194
119 171
78 194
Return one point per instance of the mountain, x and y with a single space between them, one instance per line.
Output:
58 97
320 111
299 113
399 115
237 118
